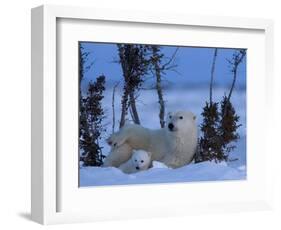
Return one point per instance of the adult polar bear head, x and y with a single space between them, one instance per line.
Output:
173 145
180 122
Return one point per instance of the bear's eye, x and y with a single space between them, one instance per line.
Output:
181 117
141 161
170 117
114 144
135 160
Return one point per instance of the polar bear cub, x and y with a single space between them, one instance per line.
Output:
140 161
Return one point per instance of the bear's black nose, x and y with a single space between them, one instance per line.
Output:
171 126
137 168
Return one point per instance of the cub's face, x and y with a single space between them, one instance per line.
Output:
141 159
180 121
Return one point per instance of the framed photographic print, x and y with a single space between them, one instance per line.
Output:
140 114
158 96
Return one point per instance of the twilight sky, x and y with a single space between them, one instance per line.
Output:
193 66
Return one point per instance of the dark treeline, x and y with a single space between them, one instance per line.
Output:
91 116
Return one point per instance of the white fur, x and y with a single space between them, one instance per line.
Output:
118 155
140 161
174 147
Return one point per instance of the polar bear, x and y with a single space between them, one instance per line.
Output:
118 155
174 145
140 161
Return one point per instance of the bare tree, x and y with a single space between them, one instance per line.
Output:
212 74
134 114
158 69
134 66
124 106
237 58
156 62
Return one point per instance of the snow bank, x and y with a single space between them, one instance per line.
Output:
205 171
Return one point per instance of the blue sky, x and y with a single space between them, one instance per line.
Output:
193 66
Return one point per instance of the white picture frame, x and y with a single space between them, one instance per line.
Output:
53 203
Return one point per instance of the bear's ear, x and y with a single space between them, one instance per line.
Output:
149 154
134 152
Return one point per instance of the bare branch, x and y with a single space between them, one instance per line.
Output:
237 59
166 65
212 74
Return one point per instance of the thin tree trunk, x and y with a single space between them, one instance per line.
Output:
124 106
133 106
157 68
233 84
212 75
124 101
113 107
237 62
133 67
160 96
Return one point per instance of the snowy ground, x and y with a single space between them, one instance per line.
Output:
206 171
192 99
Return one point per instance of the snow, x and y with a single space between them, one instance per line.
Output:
159 173
157 164
176 98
